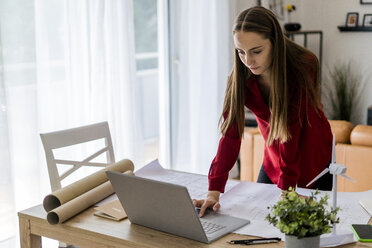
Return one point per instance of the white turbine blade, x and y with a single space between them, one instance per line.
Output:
348 178
333 160
318 176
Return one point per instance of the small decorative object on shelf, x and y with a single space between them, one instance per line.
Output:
367 20
352 19
291 26
277 7
351 24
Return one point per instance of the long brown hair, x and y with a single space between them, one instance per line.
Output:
287 59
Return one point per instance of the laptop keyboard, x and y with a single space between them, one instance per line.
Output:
210 227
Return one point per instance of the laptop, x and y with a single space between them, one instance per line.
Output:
168 207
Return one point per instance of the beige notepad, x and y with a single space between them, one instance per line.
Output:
112 210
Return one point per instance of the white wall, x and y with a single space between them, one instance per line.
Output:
326 15
341 46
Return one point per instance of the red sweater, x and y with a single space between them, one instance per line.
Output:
293 163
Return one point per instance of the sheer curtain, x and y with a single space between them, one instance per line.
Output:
77 67
86 58
200 36
6 189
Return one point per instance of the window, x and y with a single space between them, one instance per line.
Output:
147 88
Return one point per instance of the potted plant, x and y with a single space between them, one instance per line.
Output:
302 220
342 93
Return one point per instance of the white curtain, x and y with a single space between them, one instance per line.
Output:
78 68
201 63
96 42
7 209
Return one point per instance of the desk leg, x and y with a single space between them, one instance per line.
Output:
27 239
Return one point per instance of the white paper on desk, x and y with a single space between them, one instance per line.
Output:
249 200
260 229
197 185
351 212
366 203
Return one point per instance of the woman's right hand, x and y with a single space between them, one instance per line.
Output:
212 202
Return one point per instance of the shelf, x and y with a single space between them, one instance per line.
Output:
303 32
354 29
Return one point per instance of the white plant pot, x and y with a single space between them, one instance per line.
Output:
307 242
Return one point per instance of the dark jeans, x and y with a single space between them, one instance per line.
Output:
323 183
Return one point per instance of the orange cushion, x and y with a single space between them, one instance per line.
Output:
341 130
361 135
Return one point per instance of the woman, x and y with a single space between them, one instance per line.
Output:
278 81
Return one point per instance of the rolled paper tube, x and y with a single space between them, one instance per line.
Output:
80 203
64 195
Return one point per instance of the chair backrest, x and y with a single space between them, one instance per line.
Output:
75 136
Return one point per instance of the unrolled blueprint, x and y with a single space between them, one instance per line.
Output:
250 201
197 185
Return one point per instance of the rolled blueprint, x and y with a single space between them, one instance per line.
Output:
72 191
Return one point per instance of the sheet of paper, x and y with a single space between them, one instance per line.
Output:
250 201
351 212
197 185
366 203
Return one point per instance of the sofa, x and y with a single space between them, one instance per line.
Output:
353 149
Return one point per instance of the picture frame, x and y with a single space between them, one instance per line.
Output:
367 20
365 1
277 7
352 19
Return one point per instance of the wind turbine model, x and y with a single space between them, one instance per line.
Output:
335 169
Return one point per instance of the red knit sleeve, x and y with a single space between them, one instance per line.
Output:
227 154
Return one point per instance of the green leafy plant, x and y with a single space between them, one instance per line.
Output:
342 92
300 217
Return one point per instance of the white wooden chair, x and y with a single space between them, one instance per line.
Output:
75 136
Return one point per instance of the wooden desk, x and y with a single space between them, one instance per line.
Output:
87 230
